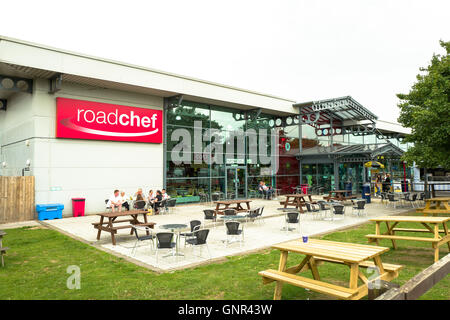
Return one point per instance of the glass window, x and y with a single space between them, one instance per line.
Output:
187 113
355 139
309 174
227 119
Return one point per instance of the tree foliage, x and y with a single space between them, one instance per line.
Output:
426 110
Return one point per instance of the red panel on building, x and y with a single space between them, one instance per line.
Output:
79 119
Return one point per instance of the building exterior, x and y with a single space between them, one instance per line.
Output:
84 126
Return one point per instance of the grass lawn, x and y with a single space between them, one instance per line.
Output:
37 261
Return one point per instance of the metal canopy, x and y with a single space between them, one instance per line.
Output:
335 110
370 151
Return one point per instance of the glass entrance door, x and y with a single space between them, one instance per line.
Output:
351 173
236 182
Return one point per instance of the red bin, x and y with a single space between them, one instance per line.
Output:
304 188
78 205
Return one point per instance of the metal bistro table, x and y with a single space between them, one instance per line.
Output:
176 228
235 217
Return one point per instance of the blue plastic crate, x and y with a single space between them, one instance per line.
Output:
49 211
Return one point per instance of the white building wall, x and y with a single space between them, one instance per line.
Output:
16 127
67 168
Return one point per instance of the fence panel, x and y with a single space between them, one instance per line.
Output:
17 199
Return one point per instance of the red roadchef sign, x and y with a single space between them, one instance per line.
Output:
78 119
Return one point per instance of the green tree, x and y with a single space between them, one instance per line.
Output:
426 110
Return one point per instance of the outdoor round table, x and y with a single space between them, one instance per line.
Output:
176 228
235 217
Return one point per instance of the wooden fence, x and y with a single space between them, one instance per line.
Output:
421 283
17 199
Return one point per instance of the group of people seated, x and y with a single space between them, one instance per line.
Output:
265 191
119 200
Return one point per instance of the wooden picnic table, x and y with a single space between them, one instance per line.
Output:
431 225
340 195
110 227
2 248
435 206
297 200
227 205
355 256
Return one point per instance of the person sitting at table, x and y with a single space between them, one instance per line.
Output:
150 197
265 190
156 202
139 198
115 201
139 193
124 201
165 195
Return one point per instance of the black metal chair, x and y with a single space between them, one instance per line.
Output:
384 198
234 230
421 198
324 206
139 204
313 209
359 208
170 205
338 210
141 238
229 212
412 199
260 213
195 225
292 217
210 215
165 242
392 200
252 214
203 197
199 240
108 208
405 198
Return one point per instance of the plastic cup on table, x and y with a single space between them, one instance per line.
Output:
305 239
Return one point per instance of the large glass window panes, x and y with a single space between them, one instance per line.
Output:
190 170
351 173
309 174
355 139
370 139
187 190
309 137
227 119
187 113
195 137
325 177
288 166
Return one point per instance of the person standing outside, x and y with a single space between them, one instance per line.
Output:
387 181
378 184
115 202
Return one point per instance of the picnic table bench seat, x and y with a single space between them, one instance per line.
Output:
4 249
396 237
116 221
364 264
434 211
307 283
148 224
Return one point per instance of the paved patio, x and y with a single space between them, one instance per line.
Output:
257 235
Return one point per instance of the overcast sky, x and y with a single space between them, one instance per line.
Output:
302 50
